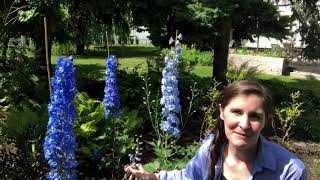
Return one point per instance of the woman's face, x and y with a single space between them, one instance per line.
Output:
244 119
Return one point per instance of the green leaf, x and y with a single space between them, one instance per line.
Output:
88 128
101 137
84 150
3 99
152 167
26 15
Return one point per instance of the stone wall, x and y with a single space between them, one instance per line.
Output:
305 75
268 65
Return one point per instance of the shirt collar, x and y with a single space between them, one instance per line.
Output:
265 157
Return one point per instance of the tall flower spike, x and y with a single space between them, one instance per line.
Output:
60 143
111 96
170 93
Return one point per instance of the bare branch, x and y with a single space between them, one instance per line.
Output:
12 10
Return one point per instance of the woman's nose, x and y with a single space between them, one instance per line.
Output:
244 122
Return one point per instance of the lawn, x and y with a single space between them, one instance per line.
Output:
130 57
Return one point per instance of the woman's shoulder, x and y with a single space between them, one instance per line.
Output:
206 141
282 157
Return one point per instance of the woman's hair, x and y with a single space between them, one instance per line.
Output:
235 89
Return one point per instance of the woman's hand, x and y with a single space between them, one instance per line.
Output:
137 172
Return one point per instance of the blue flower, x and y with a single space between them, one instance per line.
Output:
60 143
171 40
170 92
111 95
180 37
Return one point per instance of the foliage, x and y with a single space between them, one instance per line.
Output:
102 145
278 53
207 25
20 86
209 120
309 124
26 126
17 164
308 14
153 108
288 115
315 168
59 49
199 19
240 73
193 56
169 155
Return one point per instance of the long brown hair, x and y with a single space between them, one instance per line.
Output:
234 89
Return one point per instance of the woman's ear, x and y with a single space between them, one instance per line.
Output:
221 112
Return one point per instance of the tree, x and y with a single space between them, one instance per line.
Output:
208 24
307 12
91 14
9 25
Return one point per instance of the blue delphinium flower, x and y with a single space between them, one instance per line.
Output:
170 92
60 143
111 96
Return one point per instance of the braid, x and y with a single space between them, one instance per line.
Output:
215 148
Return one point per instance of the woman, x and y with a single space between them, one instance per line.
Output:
237 150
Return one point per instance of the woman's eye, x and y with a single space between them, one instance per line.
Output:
237 112
256 116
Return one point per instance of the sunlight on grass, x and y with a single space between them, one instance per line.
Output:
202 71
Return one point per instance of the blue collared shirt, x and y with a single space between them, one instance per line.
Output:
272 162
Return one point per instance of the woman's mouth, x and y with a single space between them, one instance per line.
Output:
242 135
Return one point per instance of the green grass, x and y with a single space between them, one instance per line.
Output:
315 168
202 71
313 85
128 57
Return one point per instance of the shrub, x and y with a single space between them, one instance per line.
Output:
192 57
209 122
171 156
240 73
276 52
20 85
63 49
309 124
26 126
103 146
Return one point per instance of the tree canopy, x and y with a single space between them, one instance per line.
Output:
205 24
208 25
307 12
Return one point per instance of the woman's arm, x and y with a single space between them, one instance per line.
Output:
197 167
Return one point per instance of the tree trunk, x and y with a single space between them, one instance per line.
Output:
4 50
81 33
221 51
80 48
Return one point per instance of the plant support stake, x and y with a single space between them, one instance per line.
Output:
47 55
